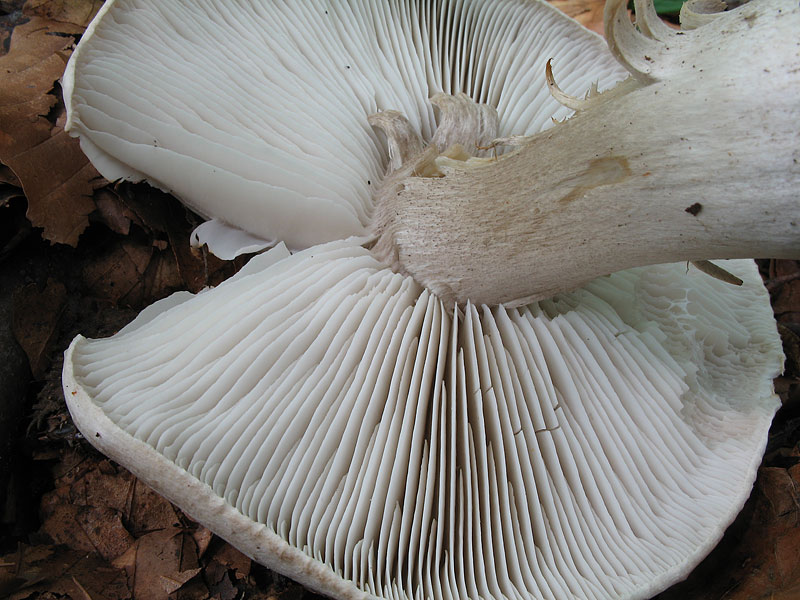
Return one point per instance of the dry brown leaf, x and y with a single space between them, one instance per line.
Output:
135 272
96 482
118 273
784 269
103 486
225 568
168 223
22 568
57 178
162 277
76 12
35 322
88 529
71 466
231 558
588 13
58 181
148 511
160 563
149 205
196 589
43 572
113 212
82 593
7 176
219 581
96 508
202 537
788 298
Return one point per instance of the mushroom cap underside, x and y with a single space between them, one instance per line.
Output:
255 113
336 422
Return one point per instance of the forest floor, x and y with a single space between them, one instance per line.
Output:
80 255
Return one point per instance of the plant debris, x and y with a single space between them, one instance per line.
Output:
36 316
56 177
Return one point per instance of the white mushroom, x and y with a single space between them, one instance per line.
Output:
371 436
336 422
257 115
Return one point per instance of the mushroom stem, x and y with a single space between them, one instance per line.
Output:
697 159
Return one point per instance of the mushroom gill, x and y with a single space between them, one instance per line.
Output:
336 422
255 113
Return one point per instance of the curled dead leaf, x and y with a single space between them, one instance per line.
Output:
57 178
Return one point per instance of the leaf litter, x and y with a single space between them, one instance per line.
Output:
56 177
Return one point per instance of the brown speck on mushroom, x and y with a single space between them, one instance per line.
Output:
694 209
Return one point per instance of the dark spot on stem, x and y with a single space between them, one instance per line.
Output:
694 209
